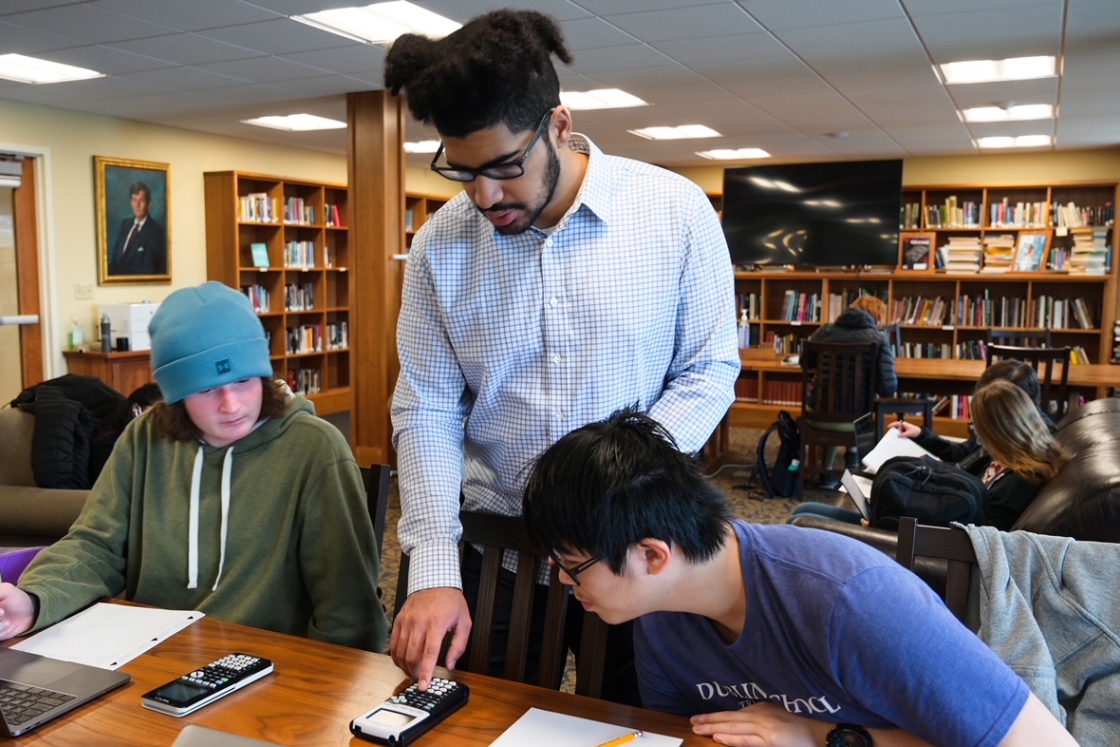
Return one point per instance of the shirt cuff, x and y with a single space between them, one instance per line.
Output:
434 565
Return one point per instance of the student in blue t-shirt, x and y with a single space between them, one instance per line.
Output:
764 634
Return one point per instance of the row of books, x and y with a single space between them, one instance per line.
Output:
786 393
258 207
957 406
784 344
299 297
956 213
298 211
338 335
800 307
1090 253
306 338
985 311
334 219
942 350
1078 356
259 297
752 304
299 255
920 310
305 380
1063 313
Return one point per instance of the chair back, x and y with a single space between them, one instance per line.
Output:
838 379
1054 385
1024 338
375 478
498 534
949 544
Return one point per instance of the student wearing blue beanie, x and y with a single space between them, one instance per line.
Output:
230 497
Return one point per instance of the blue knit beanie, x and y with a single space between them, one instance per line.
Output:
204 337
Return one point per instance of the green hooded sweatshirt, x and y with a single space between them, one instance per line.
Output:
290 549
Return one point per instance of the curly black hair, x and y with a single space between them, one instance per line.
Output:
496 69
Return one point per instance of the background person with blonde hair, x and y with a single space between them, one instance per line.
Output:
1025 455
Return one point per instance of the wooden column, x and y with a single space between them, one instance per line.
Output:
26 233
376 180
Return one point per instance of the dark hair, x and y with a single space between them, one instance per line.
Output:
496 69
173 422
145 396
1018 373
138 187
605 486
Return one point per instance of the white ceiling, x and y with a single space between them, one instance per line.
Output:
782 75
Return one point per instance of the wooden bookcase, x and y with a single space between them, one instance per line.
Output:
304 292
1016 300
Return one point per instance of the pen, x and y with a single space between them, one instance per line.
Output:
625 739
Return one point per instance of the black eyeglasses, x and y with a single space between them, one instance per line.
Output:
573 573
510 170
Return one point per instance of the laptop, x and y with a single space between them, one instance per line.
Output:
35 689
194 735
858 489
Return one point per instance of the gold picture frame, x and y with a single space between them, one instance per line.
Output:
1030 251
133 214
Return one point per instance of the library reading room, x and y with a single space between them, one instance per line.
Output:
565 373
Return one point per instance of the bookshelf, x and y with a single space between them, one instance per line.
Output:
297 230
945 314
418 208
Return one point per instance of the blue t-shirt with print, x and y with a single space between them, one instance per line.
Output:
835 631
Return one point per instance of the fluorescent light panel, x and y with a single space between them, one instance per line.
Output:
684 132
32 70
985 71
733 154
599 98
381 22
1023 141
296 123
1008 113
422 146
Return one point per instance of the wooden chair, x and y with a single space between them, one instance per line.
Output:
839 380
950 544
1023 338
375 478
497 534
1055 394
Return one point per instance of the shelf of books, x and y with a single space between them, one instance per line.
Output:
971 259
285 244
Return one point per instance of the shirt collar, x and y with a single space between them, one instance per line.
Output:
595 192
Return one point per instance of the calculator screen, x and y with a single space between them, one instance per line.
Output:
391 718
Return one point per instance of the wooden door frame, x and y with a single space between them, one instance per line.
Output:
25 226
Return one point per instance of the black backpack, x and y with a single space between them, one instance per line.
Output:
783 478
931 491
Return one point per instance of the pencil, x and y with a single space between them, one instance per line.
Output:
625 739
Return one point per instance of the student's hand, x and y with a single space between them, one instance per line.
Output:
761 725
17 611
418 631
906 430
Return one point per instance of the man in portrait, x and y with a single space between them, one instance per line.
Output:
141 246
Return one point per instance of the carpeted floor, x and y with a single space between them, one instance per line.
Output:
732 479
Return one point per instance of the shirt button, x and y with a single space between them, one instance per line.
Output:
552 302
556 359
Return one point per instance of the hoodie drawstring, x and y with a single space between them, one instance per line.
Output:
192 539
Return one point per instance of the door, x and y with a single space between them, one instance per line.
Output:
21 340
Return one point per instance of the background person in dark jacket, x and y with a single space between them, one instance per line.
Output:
859 323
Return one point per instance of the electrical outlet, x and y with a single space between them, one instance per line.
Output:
83 292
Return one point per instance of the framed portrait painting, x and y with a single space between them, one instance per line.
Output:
133 206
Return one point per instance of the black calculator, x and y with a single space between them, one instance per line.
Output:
408 714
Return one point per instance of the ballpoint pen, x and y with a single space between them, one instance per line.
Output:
625 739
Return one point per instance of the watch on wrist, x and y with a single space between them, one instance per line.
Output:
848 735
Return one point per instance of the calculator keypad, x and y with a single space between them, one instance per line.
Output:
438 690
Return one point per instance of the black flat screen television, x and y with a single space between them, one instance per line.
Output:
843 213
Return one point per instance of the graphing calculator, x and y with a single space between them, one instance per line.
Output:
405 716
205 685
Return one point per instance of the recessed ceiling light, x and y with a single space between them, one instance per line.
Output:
600 98
984 71
381 22
24 69
423 146
732 154
684 132
1008 113
1023 141
296 122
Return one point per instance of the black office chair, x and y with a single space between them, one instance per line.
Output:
1055 394
498 534
1022 338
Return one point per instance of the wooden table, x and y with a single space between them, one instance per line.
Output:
316 690
126 372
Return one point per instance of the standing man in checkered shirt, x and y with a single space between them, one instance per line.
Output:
560 285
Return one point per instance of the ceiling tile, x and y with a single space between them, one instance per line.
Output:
18 6
355 58
592 62
107 60
686 23
282 36
851 38
22 40
189 15
783 15
88 23
263 69
593 33
184 78
185 49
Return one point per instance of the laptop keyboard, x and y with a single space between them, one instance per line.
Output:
21 703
